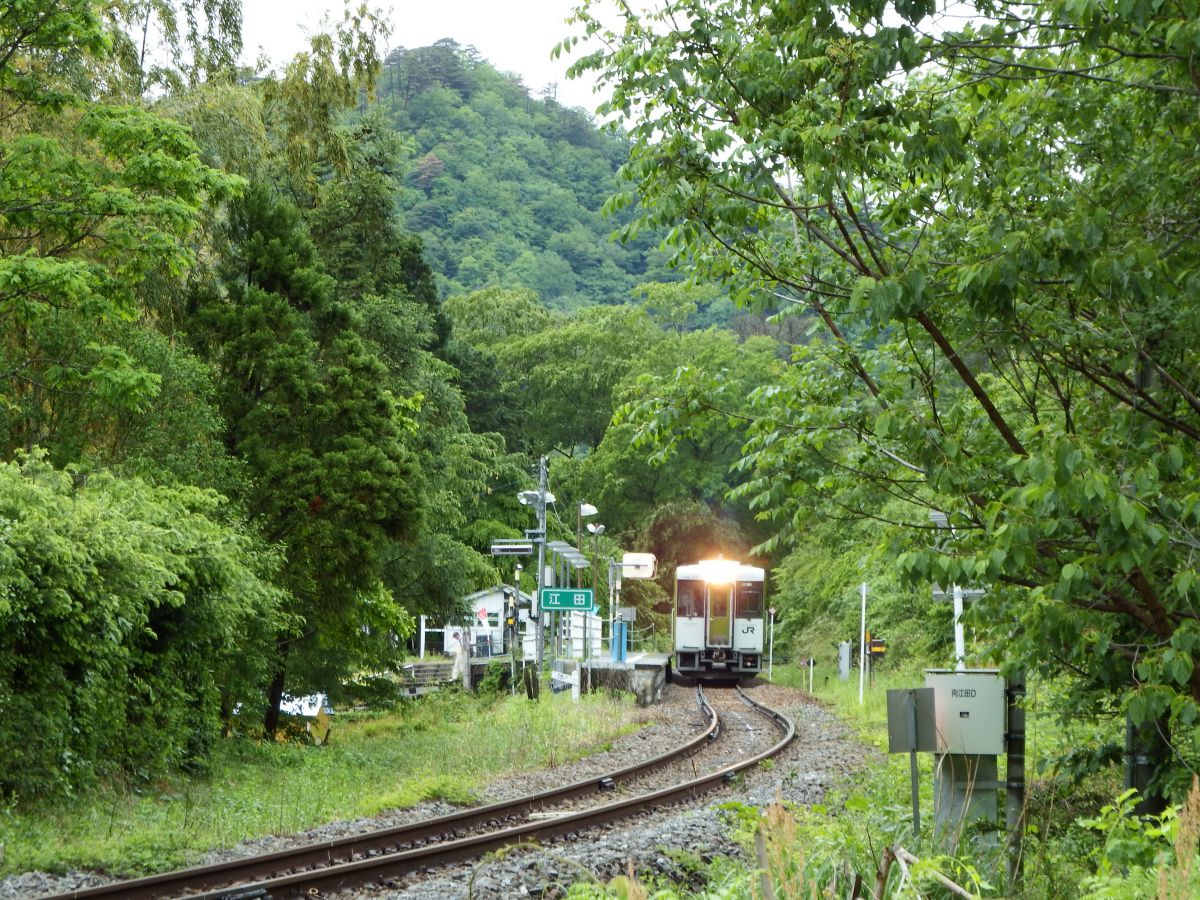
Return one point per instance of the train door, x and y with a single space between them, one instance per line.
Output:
720 614
748 617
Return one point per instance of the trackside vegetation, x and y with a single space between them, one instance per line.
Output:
446 747
1002 297
1079 840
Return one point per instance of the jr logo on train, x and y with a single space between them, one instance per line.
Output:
717 625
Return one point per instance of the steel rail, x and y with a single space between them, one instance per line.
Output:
346 849
386 870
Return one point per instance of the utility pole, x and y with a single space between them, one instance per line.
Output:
541 570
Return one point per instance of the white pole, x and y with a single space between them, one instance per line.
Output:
960 637
421 654
810 674
771 650
612 612
862 645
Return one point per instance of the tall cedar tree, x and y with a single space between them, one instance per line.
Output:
308 412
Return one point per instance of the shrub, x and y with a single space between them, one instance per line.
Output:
126 613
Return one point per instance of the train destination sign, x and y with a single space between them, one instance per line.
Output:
567 598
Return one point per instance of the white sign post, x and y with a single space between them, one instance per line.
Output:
571 678
862 645
771 651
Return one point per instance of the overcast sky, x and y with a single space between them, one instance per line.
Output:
513 35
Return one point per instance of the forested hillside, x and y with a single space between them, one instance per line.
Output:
505 188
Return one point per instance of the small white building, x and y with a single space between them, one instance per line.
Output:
486 632
485 627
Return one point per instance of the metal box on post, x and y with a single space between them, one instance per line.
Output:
910 720
969 708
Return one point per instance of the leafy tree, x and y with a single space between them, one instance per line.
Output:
302 109
98 203
994 226
200 41
382 274
564 377
359 236
690 456
481 322
38 36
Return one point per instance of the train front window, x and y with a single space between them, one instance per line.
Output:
748 597
689 598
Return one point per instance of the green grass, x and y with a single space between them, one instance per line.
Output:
442 747
869 719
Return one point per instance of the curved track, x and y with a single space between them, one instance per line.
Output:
383 856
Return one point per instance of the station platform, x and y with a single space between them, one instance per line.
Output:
644 674
639 660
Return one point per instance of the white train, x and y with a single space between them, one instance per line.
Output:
718 627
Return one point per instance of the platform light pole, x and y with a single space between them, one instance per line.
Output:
538 500
516 629
582 511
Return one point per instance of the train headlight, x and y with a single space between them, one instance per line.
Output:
719 571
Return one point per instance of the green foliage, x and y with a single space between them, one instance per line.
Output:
565 377
129 616
816 593
318 84
36 33
382 275
201 41
1141 857
679 424
88 213
309 413
1004 288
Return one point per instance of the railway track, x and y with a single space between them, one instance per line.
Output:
382 857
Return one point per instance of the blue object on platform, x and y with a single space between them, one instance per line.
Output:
619 639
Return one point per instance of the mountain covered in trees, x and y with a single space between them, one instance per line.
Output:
506 189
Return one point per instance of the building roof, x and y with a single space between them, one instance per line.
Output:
497 591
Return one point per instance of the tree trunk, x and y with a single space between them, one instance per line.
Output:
275 692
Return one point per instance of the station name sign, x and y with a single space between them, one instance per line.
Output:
569 599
